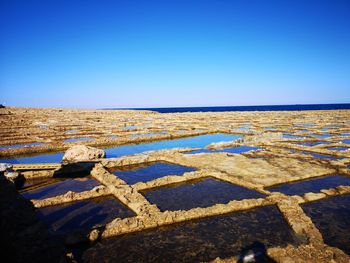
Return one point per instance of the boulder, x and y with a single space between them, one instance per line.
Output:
82 153
15 177
4 167
11 175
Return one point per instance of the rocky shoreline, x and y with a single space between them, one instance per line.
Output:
285 142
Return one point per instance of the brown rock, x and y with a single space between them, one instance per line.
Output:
82 153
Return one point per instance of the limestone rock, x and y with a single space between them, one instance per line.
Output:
15 178
94 235
82 153
313 196
5 166
11 175
329 192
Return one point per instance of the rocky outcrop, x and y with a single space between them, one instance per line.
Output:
82 153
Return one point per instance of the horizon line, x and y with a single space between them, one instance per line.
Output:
260 105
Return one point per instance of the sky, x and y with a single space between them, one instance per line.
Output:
129 53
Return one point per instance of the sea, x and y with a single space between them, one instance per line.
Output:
295 107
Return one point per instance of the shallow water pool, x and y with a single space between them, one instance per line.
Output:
331 217
41 158
149 171
15 146
338 148
118 151
79 139
311 185
310 143
192 142
199 193
238 149
200 240
82 215
53 187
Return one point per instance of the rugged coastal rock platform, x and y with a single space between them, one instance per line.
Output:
257 179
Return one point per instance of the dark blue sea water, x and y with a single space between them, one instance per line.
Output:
296 107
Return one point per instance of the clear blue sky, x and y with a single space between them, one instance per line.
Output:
174 53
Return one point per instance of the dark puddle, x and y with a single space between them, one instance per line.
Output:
311 185
40 189
14 146
79 139
198 193
331 217
201 240
239 149
82 215
149 171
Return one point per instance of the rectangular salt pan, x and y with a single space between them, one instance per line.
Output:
237 150
200 240
331 217
82 215
15 146
79 139
149 171
59 187
311 185
200 193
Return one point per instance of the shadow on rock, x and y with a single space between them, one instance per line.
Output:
80 169
23 237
